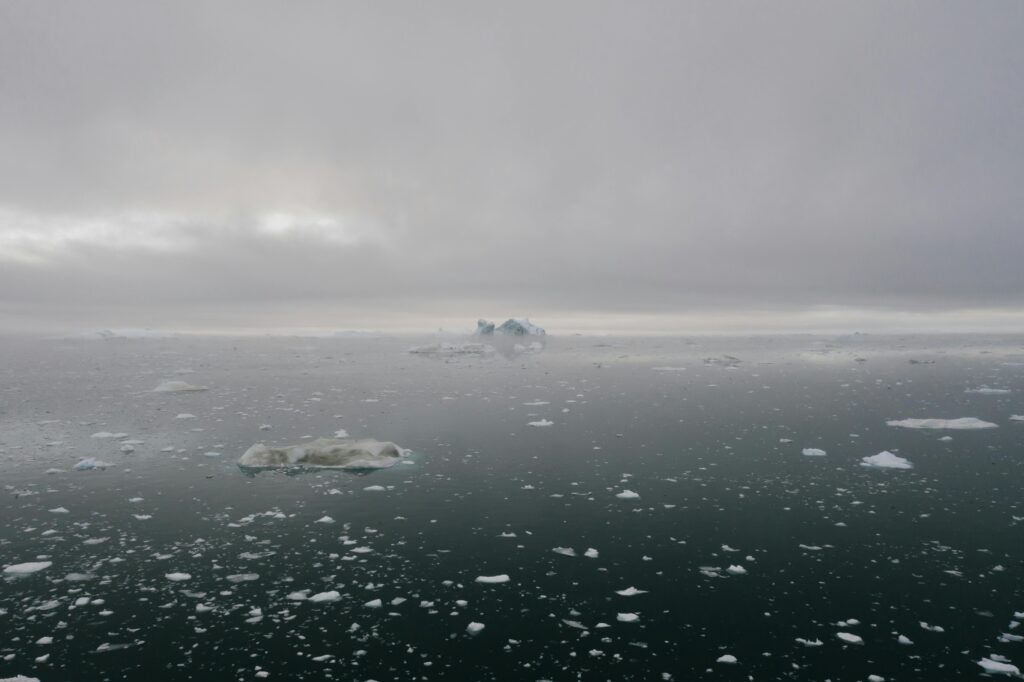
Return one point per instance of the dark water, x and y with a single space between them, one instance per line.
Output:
712 450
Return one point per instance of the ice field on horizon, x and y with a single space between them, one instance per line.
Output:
551 508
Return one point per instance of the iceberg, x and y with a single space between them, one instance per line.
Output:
484 327
961 423
520 326
886 460
325 453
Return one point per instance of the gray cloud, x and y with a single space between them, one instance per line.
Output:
263 162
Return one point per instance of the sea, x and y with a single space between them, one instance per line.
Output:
566 508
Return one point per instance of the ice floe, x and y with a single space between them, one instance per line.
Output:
90 463
27 568
813 452
177 386
325 453
965 423
492 579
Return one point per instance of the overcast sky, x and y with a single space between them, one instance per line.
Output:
241 165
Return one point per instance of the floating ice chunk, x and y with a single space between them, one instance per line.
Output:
484 327
321 597
736 570
931 628
998 667
27 568
178 577
726 658
849 638
492 579
58 510
374 604
177 386
324 519
541 422
627 617
185 415
963 423
90 463
809 642
242 577
107 434
903 639
374 488
813 452
591 553
564 551
326 453
985 390
630 592
876 678
1017 417
886 460
474 628
627 495
19 678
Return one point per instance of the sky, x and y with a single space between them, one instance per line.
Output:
657 166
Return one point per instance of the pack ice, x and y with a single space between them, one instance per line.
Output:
325 453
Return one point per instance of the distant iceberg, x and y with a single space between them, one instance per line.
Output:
961 423
520 327
325 453
484 327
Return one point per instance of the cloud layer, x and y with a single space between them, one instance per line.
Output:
266 162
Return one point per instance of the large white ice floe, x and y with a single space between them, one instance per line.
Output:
886 460
177 386
492 579
813 452
964 423
325 453
27 568
453 349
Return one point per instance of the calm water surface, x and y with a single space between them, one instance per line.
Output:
740 545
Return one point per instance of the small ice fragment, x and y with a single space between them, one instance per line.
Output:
885 460
726 658
564 551
849 638
630 592
591 553
627 495
90 463
474 628
627 617
374 604
324 519
492 579
813 452
58 510
178 577
374 488
736 569
541 422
